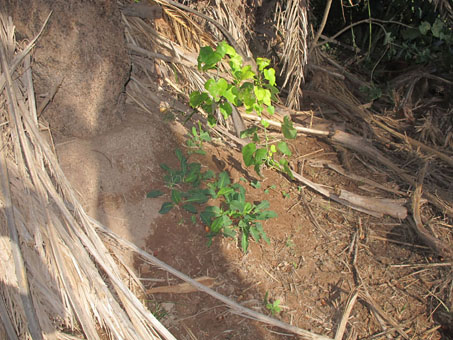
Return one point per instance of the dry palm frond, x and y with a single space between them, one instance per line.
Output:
445 8
68 278
184 29
230 14
292 21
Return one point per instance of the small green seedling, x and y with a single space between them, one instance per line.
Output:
272 187
273 307
255 184
196 140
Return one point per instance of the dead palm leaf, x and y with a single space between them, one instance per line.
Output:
292 22
69 278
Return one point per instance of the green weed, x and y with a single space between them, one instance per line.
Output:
253 90
234 217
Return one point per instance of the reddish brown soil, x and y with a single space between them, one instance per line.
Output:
320 251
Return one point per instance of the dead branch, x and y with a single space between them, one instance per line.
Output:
436 245
359 145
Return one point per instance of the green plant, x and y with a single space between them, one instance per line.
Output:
233 217
188 174
156 309
196 140
273 307
271 187
256 156
256 184
430 41
252 89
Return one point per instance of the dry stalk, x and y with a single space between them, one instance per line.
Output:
61 252
436 245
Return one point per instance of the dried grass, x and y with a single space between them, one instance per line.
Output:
58 277
293 22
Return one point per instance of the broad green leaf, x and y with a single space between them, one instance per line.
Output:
205 53
247 153
247 95
237 205
265 215
269 75
259 227
224 180
208 58
235 63
180 156
264 123
224 191
228 232
194 174
208 175
219 223
247 208
424 27
194 131
166 207
225 109
223 48
273 149
249 132
190 208
247 73
262 205
263 95
154 194
258 107
255 234
197 196
283 148
287 128
270 109
231 94
260 155
437 28
257 168
262 63
207 106
212 121
216 88
283 162
176 196
197 98
208 214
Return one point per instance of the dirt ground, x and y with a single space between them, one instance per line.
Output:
320 252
